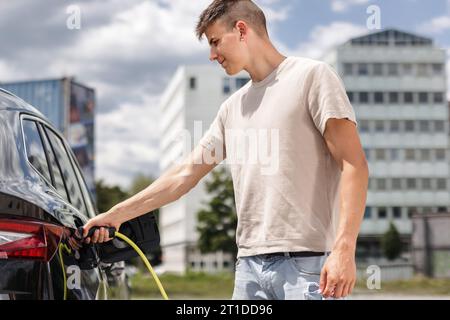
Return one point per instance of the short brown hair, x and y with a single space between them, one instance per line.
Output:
230 12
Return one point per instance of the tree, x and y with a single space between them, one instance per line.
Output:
217 222
391 243
108 196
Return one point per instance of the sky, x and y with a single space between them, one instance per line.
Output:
128 50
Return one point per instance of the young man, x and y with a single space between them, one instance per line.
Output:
290 245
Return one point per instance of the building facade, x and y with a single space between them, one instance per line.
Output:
188 107
396 82
70 107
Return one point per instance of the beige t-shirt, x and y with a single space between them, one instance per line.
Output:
286 182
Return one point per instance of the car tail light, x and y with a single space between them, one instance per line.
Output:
28 239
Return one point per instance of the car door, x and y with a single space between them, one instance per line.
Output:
72 209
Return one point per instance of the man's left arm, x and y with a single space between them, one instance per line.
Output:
338 276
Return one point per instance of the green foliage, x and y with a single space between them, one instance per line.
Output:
218 220
391 243
108 196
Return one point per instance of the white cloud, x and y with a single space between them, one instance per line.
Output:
436 25
324 38
127 141
124 47
343 5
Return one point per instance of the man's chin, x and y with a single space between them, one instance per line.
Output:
231 72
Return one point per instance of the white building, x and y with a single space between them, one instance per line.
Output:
192 98
397 84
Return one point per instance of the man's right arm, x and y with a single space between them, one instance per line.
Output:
169 187
172 185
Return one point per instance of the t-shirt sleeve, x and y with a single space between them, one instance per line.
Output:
214 137
327 97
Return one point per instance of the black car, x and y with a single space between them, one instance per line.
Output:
43 200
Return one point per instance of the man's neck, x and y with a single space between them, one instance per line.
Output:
263 64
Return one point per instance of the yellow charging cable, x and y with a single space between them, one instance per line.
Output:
146 262
134 246
60 248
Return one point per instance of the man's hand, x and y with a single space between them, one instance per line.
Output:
338 276
100 235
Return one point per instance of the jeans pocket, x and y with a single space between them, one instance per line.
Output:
311 266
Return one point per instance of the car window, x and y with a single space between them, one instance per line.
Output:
84 189
58 181
68 173
34 148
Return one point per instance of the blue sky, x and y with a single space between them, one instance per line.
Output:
129 49
409 15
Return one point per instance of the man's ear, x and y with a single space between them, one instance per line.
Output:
242 27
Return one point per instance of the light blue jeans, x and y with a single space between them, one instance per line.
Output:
278 278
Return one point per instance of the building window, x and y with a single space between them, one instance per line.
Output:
441 184
363 69
367 153
394 126
422 70
348 69
409 126
396 184
424 126
426 184
412 211
423 97
408 97
379 126
363 97
439 126
367 212
378 97
393 97
440 154
397 212
411 184
380 154
425 155
438 97
394 154
381 184
240 82
192 83
382 213
437 68
407 69
350 96
410 154
392 69
226 86
364 126
377 69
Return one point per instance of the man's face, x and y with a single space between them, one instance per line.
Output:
226 47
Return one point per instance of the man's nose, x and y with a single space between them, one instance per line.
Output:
212 55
